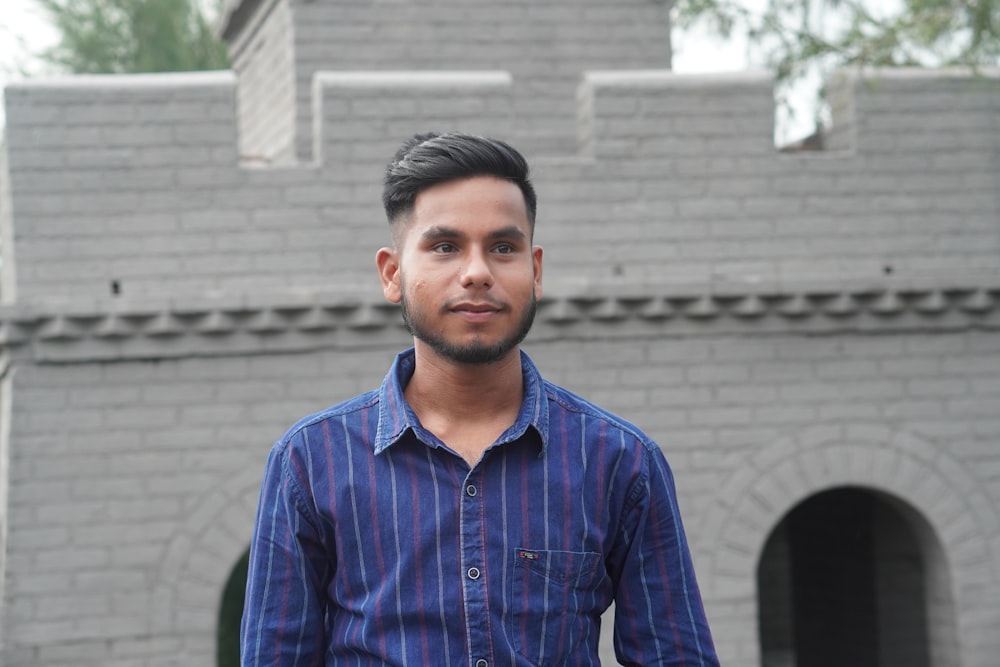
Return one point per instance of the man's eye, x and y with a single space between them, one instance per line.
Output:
444 248
504 248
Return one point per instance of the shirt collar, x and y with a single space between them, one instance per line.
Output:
396 418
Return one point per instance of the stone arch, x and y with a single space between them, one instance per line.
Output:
776 478
230 614
855 576
199 561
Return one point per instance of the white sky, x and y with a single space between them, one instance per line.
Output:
24 32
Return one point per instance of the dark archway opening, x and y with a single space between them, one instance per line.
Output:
231 613
842 581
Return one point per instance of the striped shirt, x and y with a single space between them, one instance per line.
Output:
375 544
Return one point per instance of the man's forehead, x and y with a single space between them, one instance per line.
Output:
448 204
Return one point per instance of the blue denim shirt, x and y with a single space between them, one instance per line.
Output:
375 544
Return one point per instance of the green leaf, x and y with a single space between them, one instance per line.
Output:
123 36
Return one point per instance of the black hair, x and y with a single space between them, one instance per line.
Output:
428 159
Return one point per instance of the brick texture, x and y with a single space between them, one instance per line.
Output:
131 186
187 269
545 45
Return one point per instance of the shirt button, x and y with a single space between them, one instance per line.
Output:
482 663
471 490
473 573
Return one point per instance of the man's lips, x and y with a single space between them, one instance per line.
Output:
475 307
475 311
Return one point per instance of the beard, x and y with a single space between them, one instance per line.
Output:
471 353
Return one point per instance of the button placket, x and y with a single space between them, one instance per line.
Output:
473 569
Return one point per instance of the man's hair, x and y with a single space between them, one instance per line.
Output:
428 159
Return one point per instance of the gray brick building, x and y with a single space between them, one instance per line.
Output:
811 337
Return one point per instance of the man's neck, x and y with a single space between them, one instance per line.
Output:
467 406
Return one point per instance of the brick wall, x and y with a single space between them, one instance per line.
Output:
121 469
781 324
135 181
545 45
133 484
264 58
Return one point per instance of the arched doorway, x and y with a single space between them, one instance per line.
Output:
851 576
231 613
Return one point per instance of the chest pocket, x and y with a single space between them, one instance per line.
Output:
554 603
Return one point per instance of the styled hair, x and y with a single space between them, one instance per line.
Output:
428 159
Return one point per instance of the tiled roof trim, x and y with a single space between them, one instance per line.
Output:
212 327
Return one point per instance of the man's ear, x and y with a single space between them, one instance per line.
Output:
387 261
536 263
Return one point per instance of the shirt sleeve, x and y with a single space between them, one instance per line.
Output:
659 617
284 611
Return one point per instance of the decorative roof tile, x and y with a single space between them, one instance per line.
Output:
206 326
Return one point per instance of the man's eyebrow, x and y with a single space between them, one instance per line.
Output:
439 232
508 232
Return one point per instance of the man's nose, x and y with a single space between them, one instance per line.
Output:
476 271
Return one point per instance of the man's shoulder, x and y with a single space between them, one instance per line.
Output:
351 410
561 398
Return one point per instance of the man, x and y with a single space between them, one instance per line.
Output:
467 512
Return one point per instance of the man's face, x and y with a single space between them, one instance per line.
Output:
464 269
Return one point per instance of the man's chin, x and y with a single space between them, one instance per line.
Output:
474 354
474 347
